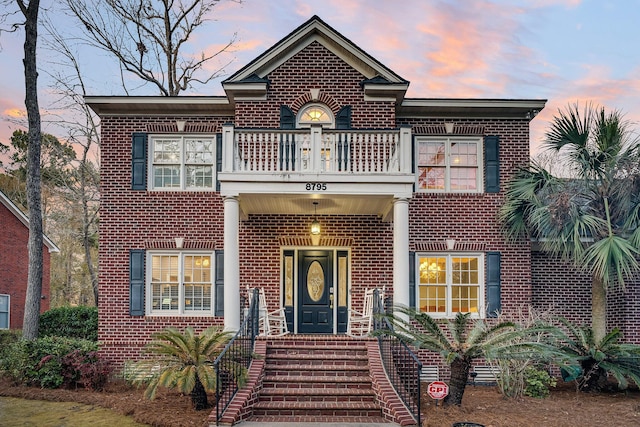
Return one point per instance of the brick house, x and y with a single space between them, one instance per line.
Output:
14 265
203 196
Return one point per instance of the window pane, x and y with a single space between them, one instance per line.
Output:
464 179
433 299
431 178
164 280
433 270
166 176
464 271
431 153
4 312
199 151
197 282
464 154
164 296
166 151
464 299
199 176
197 297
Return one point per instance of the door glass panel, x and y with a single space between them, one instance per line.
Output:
288 280
315 281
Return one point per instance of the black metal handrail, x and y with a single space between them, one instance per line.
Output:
401 364
236 358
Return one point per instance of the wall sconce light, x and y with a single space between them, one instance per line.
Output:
315 225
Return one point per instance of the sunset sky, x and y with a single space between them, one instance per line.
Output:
565 51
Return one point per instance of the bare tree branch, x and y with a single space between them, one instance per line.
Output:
147 37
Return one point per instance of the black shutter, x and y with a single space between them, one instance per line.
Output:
218 159
412 279
219 284
136 282
343 118
139 161
287 118
492 164
493 284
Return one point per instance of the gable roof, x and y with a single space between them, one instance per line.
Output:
251 80
24 220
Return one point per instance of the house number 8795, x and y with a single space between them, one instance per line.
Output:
316 186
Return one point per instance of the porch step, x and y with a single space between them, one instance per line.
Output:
316 379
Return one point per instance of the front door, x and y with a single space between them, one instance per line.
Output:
315 295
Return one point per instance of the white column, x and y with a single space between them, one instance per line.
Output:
231 265
400 252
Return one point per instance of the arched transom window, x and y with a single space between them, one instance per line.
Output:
315 114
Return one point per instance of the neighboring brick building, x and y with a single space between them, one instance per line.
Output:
14 265
204 196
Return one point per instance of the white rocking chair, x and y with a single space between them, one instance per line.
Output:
359 323
270 323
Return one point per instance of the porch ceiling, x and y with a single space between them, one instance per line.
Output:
297 204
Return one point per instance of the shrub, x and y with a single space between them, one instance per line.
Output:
52 362
538 382
73 322
7 338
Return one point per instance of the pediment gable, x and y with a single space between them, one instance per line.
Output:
251 82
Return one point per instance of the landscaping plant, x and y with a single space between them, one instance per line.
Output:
589 362
463 341
183 360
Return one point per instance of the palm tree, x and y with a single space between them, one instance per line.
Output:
591 216
461 343
183 361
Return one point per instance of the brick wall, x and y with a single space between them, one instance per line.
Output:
315 67
14 266
135 220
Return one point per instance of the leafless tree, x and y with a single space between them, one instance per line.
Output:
31 320
82 127
148 38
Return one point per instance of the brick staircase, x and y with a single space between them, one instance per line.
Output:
317 379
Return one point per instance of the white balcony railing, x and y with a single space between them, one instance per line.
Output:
316 150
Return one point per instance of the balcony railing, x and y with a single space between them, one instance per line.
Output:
317 150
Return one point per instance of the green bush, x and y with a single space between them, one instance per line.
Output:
538 382
73 322
8 337
41 362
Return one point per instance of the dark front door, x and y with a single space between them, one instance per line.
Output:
315 299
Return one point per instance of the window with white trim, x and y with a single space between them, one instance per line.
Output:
180 283
449 164
182 162
315 114
4 311
450 283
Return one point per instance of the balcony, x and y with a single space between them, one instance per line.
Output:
274 167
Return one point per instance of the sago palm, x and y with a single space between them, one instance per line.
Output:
183 361
460 341
597 358
590 216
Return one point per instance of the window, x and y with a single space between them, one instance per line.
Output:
449 164
4 311
180 283
315 114
182 163
450 283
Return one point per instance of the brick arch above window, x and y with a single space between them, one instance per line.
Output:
323 98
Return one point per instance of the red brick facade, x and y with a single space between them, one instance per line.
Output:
14 263
133 219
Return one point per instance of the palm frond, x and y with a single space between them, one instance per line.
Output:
612 258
